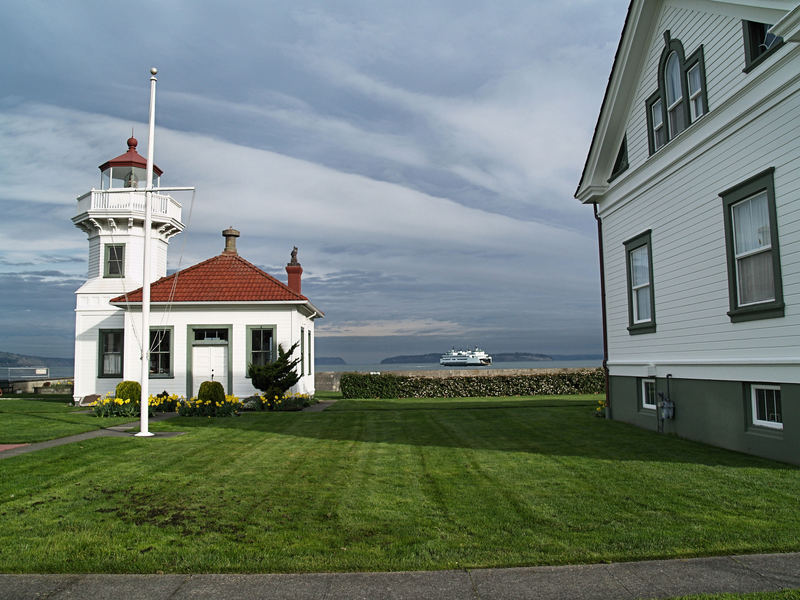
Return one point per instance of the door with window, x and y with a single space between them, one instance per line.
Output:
209 363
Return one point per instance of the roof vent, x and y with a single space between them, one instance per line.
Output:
230 235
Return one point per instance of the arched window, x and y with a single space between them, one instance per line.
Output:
681 95
674 92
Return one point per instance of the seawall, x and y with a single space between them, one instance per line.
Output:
330 381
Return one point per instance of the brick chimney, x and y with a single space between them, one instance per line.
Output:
230 235
294 271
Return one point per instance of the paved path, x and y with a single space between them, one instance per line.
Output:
124 430
651 579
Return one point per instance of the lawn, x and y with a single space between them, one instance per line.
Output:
35 419
390 485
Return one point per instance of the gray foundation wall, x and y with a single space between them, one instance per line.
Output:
714 412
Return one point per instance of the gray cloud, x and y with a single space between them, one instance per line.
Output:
422 156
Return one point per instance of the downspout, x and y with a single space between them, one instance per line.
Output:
603 308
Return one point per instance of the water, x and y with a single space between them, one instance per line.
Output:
533 364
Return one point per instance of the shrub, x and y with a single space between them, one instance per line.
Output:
129 390
359 385
212 393
583 381
275 378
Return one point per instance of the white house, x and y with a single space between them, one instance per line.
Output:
694 174
209 321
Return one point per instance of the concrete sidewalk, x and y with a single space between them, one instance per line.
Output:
650 579
124 430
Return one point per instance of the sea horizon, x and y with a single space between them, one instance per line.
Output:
419 366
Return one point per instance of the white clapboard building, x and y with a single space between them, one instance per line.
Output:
694 174
207 322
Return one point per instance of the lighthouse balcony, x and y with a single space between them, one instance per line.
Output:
131 203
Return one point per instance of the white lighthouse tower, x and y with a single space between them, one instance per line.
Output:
113 218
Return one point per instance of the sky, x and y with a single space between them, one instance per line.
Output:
422 156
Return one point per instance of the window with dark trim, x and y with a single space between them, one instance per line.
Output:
765 405
260 344
755 288
110 353
641 299
302 350
114 260
681 96
309 352
161 352
621 162
759 43
647 393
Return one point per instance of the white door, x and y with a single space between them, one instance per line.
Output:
209 363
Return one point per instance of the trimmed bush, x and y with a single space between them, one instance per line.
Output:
212 393
584 381
360 385
129 390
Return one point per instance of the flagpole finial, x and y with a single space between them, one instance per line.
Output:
153 71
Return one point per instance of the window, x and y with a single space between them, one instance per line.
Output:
309 352
260 344
211 335
161 352
754 271
681 95
759 43
674 93
302 351
648 392
110 353
641 302
766 406
621 162
114 263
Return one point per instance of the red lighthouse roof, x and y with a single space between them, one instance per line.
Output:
130 159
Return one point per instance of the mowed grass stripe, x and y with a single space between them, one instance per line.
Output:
381 489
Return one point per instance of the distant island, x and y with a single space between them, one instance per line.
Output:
496 357
329 360
9 359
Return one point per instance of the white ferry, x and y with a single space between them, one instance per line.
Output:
465 358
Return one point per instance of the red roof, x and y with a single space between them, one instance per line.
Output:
224 278
130 159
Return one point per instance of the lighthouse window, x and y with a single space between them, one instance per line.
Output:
114 264
110 360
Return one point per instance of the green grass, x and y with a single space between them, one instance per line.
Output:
44 418
390 485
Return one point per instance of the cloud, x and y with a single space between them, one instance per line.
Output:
409 327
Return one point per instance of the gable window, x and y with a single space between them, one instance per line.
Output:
260 344
681 96
161 352
110 353
114 261
648 391
754 272
621 162
641 301
759 43
766 406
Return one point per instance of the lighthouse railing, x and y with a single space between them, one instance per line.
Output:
112 200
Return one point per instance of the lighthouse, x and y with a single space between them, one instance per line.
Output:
113 218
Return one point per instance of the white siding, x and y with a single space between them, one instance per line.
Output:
682 207
721 38
286 318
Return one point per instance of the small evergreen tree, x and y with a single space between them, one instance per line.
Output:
278 376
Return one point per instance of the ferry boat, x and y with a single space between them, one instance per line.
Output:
465 358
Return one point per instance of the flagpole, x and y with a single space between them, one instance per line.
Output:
148 220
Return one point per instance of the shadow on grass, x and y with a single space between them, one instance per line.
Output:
567 429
